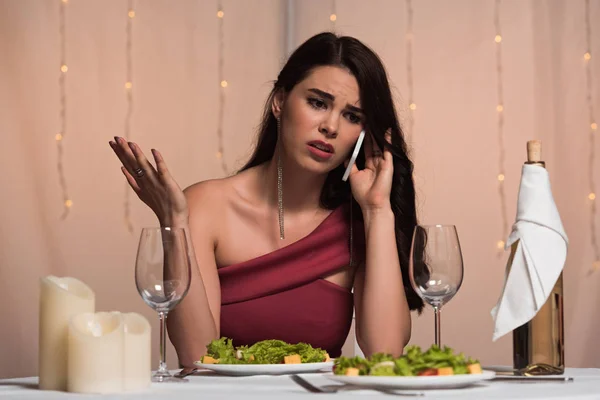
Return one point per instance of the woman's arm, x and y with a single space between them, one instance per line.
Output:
383 322
195 322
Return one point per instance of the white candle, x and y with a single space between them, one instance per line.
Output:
96 343
138 368
60 299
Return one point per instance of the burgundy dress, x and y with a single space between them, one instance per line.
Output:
282 295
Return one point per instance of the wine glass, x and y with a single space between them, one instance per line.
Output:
436 267
162 278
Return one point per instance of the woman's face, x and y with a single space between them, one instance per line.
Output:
321 119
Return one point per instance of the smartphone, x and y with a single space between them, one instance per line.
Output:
354 155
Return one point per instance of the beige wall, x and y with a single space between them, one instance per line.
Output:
175 99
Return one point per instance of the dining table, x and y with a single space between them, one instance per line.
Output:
578 383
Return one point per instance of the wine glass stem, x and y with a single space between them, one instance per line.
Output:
438 328
162 366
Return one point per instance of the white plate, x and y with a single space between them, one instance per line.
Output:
414 382
266 369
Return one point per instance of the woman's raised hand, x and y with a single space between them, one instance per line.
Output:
371 186
155 187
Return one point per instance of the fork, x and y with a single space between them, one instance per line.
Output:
185 372
336 388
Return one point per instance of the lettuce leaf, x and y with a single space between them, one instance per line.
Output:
263 352
411 363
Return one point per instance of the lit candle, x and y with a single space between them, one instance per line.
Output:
96 343
138 367
60 299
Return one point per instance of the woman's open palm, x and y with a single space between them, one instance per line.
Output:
155 187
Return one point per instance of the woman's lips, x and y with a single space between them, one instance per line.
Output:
321 149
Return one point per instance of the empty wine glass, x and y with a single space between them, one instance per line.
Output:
162 277
436 267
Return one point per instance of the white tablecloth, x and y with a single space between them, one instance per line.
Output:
209 386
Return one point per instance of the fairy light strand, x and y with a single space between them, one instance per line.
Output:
409 67
333 15
593 129
223 85
129 99
62 82
500 121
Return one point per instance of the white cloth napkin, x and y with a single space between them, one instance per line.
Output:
540 255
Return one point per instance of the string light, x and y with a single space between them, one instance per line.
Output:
333 15
129 99
62 82
500 121
587 57
409 67
223 86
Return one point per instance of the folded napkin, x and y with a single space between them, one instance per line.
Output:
540 254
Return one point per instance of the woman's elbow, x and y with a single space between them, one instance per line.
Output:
393 345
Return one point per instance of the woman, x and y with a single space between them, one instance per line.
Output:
279 246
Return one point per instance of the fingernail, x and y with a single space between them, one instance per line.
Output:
131 146
117 139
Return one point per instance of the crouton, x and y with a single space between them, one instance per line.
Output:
293 359
474 368
327 358
209 360
445 371
351 372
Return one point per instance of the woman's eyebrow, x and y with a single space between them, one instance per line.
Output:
332 98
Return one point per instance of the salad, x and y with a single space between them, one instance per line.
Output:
414 362
222 351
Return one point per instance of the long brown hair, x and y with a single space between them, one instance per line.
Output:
328 49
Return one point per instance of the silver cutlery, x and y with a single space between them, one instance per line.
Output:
507 377
336 388
185 372
537 373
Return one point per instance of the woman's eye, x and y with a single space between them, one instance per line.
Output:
316 103
353 118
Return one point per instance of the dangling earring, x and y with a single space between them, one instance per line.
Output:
351 232
279 181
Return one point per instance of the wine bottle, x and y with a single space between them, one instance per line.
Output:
538 345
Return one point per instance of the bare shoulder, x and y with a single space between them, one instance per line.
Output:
206 198
206 192
215 193
212 199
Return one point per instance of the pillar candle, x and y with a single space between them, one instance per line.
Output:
138 369
60 299
96 353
